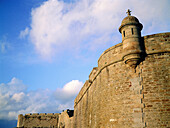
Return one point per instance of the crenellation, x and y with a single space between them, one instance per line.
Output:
42 114
28 114
38 119
50 114
35 114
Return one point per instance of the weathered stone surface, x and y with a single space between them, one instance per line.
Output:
49 120
120 97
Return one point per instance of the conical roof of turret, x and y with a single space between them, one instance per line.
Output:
130 20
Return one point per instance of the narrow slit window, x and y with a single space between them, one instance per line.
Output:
124 33
132 31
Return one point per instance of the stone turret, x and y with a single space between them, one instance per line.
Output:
131 38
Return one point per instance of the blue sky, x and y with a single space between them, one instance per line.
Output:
49 47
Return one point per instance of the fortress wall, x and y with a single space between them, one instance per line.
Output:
156 85
38 120
82 92
156 90
112 55
65 120
119 96
116 100
46 120
157 43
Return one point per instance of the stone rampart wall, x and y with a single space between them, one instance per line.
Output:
65 121
48 120
118 96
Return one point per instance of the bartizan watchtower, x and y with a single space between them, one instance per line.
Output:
131 38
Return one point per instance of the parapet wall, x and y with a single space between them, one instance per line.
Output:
112 55
157 43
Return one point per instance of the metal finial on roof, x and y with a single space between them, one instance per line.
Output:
128 12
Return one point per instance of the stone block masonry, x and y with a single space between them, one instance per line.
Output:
130 88
119 96
46 120
49 120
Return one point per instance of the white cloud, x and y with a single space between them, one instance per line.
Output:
24 33
4 45
14 86
69 91
72 87
12 115
18 96
16 99
89 24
